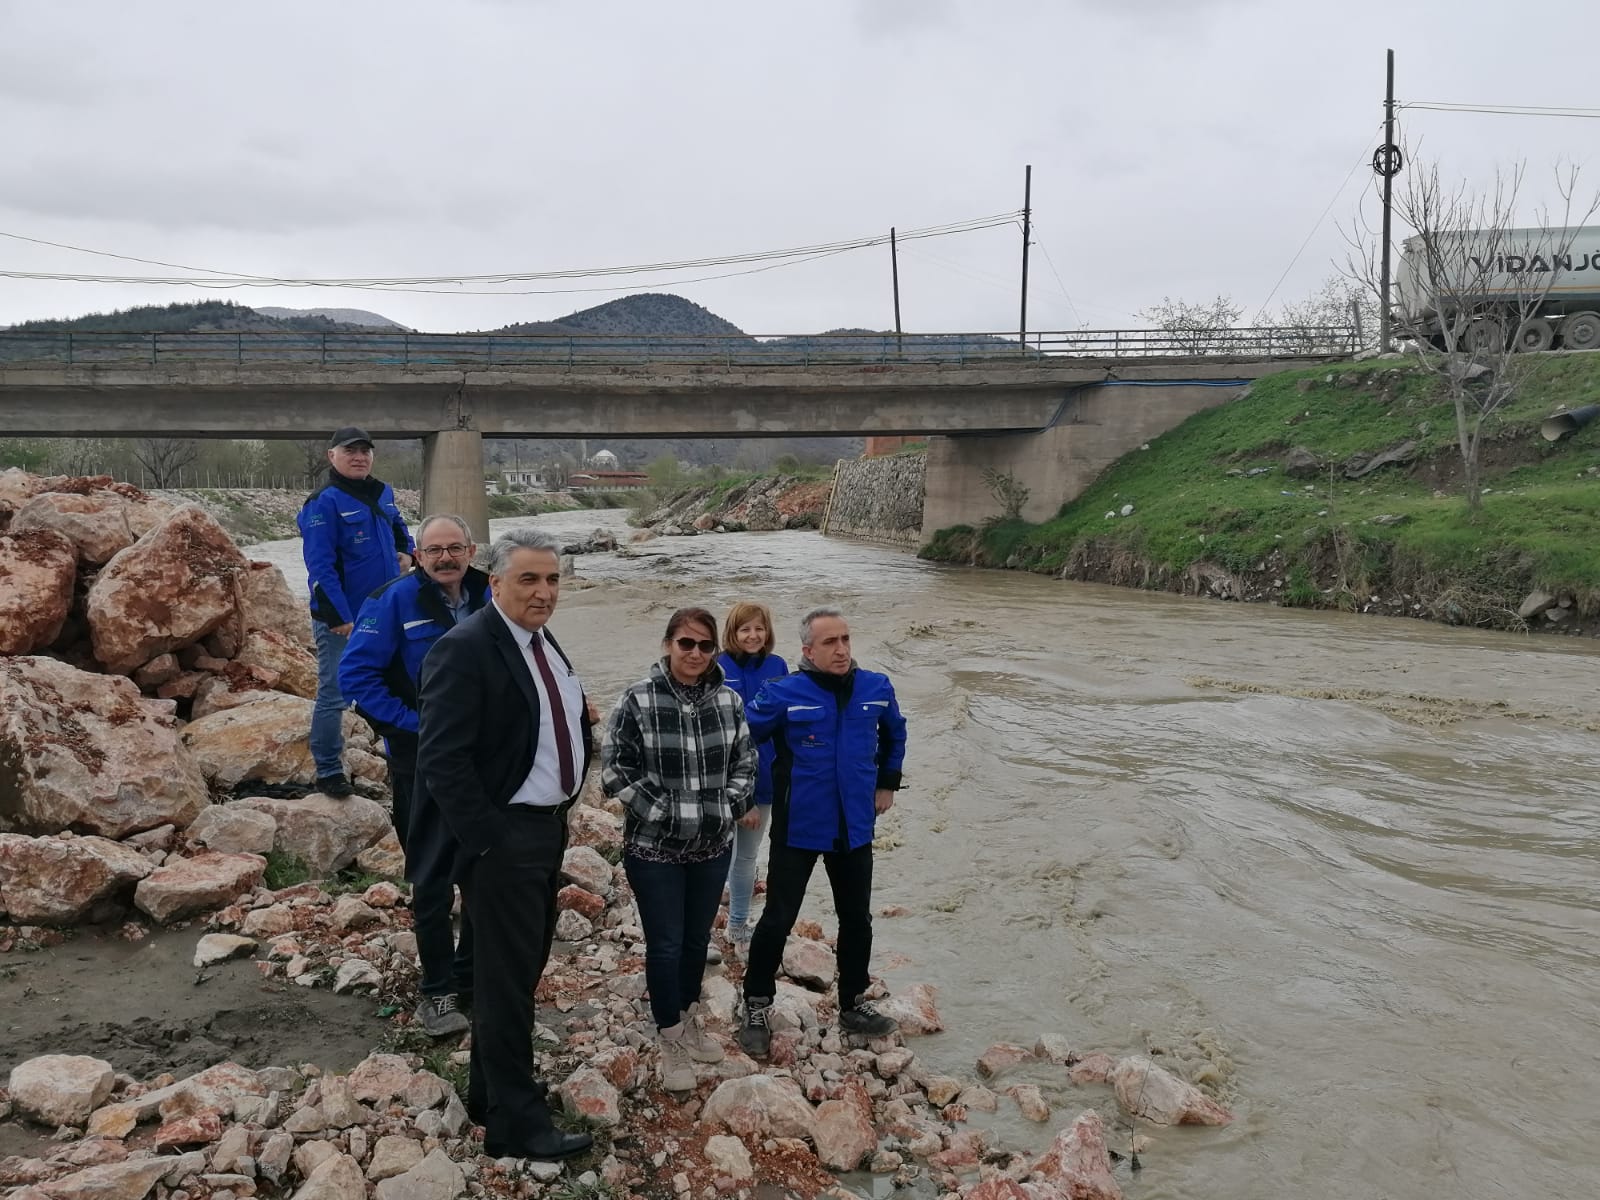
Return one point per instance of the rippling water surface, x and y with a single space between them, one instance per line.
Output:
1346 869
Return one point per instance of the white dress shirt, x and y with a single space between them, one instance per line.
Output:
542 787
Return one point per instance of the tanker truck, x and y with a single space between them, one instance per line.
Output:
1540 287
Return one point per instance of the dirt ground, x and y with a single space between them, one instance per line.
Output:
144 1008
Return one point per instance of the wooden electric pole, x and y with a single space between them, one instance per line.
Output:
1387 164
1027 234
894 267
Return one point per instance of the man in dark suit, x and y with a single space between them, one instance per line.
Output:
505 738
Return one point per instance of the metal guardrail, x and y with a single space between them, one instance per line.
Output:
485 350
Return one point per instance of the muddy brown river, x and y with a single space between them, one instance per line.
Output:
1345 869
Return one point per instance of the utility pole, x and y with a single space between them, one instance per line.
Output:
1387 164
894 267
1027 234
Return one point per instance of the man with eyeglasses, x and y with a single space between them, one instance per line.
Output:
397 626
354 541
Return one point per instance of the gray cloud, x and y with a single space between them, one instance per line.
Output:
1178 149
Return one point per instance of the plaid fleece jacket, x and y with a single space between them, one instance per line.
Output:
685 772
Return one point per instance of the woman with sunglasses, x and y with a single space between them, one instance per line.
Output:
678 755
747 664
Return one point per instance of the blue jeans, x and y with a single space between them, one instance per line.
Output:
742 874
327 716
677 905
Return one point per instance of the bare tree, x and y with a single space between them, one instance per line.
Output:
314 453
556 471
81 456
1195 328
164 458
1320 323
1472 290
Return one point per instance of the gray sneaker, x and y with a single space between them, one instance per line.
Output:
439 1016
713 956
755 1035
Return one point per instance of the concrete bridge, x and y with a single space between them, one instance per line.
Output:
1055 412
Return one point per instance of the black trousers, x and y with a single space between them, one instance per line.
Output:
446 957
788 873
511 897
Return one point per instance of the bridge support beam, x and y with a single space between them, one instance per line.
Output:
1097 425
452 478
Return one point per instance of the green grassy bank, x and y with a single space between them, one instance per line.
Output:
1215 513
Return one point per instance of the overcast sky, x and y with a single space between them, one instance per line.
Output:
1180 148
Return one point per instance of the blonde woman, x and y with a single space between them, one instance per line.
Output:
747 664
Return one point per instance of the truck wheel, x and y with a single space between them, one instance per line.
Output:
1581 331
1535 334
1486 334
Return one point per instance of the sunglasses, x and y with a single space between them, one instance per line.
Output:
686 644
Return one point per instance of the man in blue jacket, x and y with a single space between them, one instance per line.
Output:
354 541
397 626
841 742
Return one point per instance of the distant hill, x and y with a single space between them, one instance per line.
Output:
360 318
204 316
629 316
650 312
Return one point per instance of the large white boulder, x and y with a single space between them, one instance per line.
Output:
86 752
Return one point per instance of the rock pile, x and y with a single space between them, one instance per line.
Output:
761 505
146 667
395 1127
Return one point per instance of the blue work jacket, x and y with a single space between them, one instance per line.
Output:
836 746
395 629
351 530
748 680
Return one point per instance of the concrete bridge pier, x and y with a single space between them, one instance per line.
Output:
1095 425
452 478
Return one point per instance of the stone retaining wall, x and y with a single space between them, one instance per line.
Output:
879 499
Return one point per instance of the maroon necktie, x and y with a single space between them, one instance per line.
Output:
558 716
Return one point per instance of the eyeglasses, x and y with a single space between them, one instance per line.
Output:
686 644
454 550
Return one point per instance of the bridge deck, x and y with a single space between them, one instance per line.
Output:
240 384
407 349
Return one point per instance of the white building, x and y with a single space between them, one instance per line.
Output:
604 460
518 480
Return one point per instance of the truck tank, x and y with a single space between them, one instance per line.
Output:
1540 287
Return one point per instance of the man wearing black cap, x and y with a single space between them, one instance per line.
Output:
354 541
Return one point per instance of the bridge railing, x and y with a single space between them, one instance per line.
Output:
489 350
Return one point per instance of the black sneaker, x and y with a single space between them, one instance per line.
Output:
439 1016
755 1035
335 785
864 1018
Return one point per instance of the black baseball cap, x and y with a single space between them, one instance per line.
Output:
349 436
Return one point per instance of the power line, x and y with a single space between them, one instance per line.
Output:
149 262
1360 162
985 278
1052 265
226 279
1504 110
